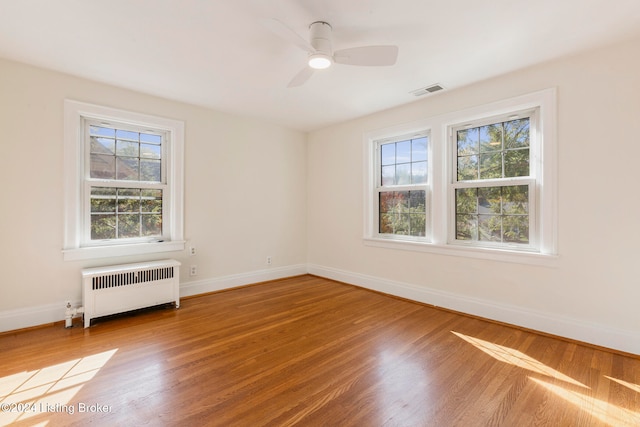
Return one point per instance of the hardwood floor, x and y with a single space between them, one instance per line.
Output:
311 352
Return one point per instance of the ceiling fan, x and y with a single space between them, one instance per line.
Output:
320 52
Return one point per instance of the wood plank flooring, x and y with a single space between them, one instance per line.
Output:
310 352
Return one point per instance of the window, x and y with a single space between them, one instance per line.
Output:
493 185
402 182
478 183
123 182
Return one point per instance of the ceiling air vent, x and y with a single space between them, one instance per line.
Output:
428 89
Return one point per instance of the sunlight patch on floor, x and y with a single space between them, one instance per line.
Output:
50 389
632 386
516 358
610 414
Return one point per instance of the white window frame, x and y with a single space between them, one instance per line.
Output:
442 167
530 181
77 243
401 187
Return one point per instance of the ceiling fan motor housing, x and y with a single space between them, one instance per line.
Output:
320 34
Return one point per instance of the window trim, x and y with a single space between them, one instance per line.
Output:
440 173
74 244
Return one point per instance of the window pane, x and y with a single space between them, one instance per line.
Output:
102 131
491 165
153 139
150 151
466 200
417 201
419 172
388 154
491 137
419 149
149 170
403 174
129 149
126 134
403 152
128 225
467 227
467 168
151 201
516 163
417 224
400 201
490 200
515 200
128 168
102 166
128 200
516 133
151 225
401 224
468 141
490 228
388 174
103 199
103 145
103 227
516 229
386 224
387 201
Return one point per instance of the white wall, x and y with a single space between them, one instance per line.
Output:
245 194
593 292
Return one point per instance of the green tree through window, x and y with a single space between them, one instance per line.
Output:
494 209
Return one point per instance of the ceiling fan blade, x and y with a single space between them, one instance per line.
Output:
283 31
367 55
300 78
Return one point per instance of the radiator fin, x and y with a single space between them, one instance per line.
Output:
115 280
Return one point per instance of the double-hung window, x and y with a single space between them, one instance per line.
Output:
123 177
493 188
402 186
125 183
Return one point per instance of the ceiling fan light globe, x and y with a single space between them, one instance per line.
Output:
319 61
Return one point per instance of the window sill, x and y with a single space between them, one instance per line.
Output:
501 255
77 254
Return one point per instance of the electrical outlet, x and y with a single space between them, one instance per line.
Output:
193 270
268 260
192 251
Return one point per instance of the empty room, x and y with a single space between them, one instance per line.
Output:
319 213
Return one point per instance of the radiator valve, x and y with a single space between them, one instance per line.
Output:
70 313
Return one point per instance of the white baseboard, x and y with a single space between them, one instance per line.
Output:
622 340
11 320
232 281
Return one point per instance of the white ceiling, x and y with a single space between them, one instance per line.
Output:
219 53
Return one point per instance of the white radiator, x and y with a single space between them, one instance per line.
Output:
119 288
